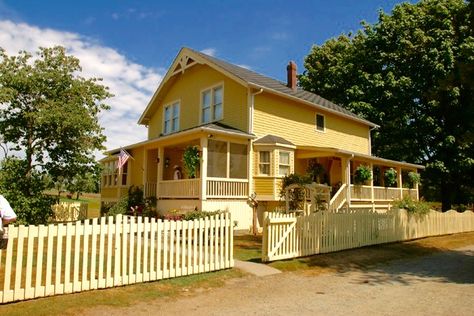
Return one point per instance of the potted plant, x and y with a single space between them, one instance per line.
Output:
191 160
316 171
362 174
413 179
390 177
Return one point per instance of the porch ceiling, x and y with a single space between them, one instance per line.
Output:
305 152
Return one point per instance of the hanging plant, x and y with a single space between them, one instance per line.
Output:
390 177
316 171
191 161
413 179
362 174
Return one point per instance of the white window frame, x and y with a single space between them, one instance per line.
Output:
284 164
212 106
316 122
269 163
174 127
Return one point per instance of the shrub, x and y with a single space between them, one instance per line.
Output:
420 208
296 196
121 207
390 177
362 174
190 216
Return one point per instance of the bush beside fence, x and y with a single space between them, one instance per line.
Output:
290 236
107 252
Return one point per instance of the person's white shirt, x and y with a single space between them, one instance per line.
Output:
6 211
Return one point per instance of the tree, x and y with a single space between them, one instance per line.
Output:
411 73
82 183
50 114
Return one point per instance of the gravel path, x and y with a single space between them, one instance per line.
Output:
440 284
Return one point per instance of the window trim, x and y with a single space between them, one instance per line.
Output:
212 106
171 105
269 163
316 123
282 164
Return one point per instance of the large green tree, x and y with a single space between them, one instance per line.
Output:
49 115
412 73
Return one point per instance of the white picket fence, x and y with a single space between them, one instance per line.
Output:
100 253
290 236
69 211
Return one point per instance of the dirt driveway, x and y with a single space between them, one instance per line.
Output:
439 284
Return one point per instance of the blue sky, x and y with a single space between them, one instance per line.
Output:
131 43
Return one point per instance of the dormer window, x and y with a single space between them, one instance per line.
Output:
212 104
171 118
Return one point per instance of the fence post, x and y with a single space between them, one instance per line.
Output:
265 237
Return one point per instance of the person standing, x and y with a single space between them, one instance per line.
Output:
7 216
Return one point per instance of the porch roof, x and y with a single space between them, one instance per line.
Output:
349 154
209 128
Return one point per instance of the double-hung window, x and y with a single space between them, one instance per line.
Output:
211 105
171 118
284 163
264 163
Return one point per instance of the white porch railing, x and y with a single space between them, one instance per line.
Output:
410 192
185 188
227 188
150 189
338 199
364 193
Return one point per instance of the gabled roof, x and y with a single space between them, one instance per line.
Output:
252 79
272 139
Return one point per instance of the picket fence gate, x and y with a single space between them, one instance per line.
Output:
109 252
289 236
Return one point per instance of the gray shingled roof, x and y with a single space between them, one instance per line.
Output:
250 76
272 139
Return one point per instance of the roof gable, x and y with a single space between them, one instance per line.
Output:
187 58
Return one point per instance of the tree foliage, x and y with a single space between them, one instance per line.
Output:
49 115
412 73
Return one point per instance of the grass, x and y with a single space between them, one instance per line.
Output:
120 296
248 248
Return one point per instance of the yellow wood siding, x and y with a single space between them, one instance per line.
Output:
263 186
187 88
137 167
296 123
108 193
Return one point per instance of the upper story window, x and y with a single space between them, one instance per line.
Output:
284 163
320 123
264 163
171 118
211 104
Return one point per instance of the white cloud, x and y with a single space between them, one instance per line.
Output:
131 83
245 66
209 51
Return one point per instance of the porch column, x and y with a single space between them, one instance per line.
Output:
159 169
346 177
416 188
372 186
144 171
250 171
204 169
399 181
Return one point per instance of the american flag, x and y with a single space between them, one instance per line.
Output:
122 159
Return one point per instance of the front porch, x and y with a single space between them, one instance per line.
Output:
337 169
222 171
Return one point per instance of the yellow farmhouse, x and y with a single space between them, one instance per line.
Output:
250 131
